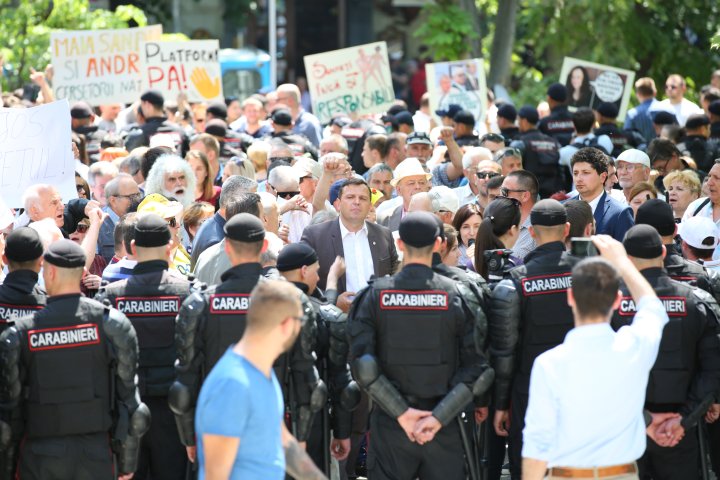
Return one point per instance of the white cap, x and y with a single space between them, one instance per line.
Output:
443 198
409 167
634 156
307 166
699 232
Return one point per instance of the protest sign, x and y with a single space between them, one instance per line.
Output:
351 81
35 148
461 83
101 66
590 84
191 67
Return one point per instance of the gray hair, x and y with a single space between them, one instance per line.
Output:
130 164
103 169
31 197
170 163
112 188
378 167
481 152
233 187
324 216
283 176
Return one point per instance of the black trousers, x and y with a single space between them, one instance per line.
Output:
713 430
162 456
393 457
494 448
76 457
518 407
681 462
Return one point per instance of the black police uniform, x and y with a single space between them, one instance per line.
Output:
412 345
701 150
471 140
558 125
20 295
298 143
529 314
69 379
141 135
151 299
715 130
212 319
687 368
541 156
619 139
510 134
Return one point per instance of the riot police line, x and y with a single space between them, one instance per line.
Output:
429 380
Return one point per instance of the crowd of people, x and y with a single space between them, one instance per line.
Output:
420 260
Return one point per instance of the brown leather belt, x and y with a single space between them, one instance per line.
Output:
597 472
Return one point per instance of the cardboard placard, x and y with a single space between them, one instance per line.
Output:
461 82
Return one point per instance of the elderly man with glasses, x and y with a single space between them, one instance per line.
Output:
477 165
121 193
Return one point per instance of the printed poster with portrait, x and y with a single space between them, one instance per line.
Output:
461 82
590 84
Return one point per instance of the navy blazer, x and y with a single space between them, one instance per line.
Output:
611 217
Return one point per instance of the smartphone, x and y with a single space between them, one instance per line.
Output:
582 247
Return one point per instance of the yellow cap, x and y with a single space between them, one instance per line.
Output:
375 195
159 205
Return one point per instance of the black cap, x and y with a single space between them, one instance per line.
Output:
81 110
23 244
404 118
395 109
663 118
557 92
529 113
217 110
282 116
548 213
697 120
216 127
65 254
151 230
451 111
154 97
714 108
419 229
658 214
643 241
465 117
608 110
296 255
245 227
507 111
341 121
418 137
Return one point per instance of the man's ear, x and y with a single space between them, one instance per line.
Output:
133 249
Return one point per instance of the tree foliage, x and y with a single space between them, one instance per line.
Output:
25 28
446 31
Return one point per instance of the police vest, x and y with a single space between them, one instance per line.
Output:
17 300
541 156
417 328
545 315
558 125
672 374
619 140
152 307
681 270
68 370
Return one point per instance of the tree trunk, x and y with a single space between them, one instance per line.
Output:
503 41
475 44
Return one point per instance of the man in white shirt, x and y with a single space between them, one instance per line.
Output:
676 102
577 423
478 167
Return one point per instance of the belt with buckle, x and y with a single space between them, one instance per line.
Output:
596 472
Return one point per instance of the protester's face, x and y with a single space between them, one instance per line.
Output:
713 184
409 186
514 190
674 88
79 234
128 192
80 187
51 206
587 181
576 78
494 147
110 112
612 178
329 146
368 156
422 151
307 187
199 169
510 164
630 173
469 228
486 170
233 111
639 199
679 196
98 188
311 276
252 113
354 203
381 181
175 185
452 257
493 193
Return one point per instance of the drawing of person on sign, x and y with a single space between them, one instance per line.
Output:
370 67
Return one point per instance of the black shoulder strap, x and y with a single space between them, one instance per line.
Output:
702 205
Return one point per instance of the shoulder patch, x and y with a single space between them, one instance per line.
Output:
414 300
229 303
63 337
148 306
546 284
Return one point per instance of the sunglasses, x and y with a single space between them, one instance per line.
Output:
509 152
284 159
487 175
82 228
172 222
287 195
506 191
492 137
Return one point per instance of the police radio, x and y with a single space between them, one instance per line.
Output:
498 261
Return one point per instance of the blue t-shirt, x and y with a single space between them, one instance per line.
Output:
238 400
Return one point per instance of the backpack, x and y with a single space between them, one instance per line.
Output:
590 142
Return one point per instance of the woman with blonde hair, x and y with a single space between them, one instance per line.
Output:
205 191
258 154
682 188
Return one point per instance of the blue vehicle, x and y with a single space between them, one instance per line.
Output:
244 71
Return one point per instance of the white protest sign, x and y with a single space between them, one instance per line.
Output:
590 84
175 67
35 148
461 82
101 66
351 81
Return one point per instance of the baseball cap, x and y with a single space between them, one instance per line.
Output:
663 118
216 127
404 118
154 97
159 205
507 111
697 120
658 214
465 117
81 110
529 113
643 241
699 232
307 166
608 110
217 110
419 229
714 107
418 137
282 116
557 92
444 198
450 111
636 156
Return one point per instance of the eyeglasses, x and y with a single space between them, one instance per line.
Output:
504 192
492 137
82 228
287 195
656 165
132 196
487 175
172 222
630 167
283 159
509 152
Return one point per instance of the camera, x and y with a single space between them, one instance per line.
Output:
498 261
582 247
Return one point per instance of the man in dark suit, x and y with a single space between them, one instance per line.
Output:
590 169
368 249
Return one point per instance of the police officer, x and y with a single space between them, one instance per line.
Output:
239 141
20 294
606 114
151 297
559 123
283 122
529 314
540 153
687 368
412 351
298 263
211 319
219 129
67 383
696 142
156 123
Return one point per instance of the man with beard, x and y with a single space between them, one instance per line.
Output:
172 177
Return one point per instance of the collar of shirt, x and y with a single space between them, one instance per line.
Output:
589 333
593 203
344 232
113 216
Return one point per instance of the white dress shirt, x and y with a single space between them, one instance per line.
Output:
594 202
358 258
587 394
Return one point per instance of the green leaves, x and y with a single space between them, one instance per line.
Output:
447 30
